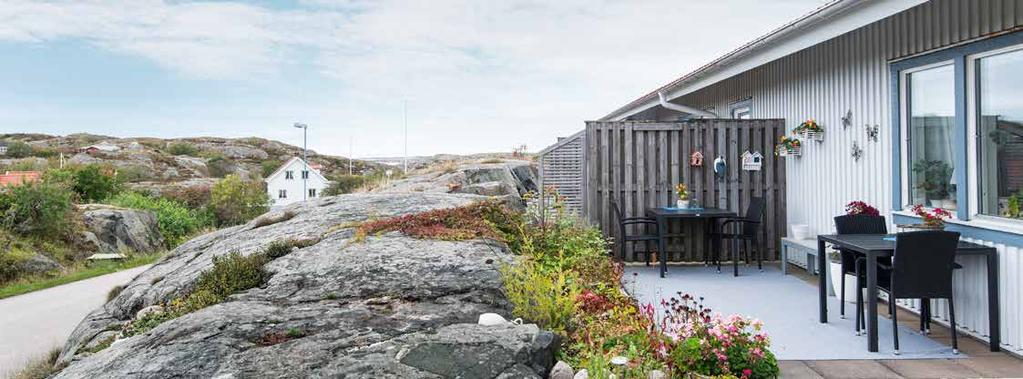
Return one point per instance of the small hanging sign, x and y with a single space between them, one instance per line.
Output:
696 159
752 161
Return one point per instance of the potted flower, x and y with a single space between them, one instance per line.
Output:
860 208
683 196
810 130
934 219
788 146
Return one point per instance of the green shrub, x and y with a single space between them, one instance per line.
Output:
93 183
18 149
176 221
545 298
343 184
41 209
269 167
11 259
235 201
182 148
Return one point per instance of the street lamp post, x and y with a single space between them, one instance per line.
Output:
305 162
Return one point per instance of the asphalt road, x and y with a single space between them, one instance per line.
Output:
33 323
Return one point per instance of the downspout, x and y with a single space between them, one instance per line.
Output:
683 108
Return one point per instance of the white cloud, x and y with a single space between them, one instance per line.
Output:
479 75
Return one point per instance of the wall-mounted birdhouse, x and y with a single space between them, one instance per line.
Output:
696 159
752 161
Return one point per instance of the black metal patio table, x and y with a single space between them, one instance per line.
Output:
663 215
873 246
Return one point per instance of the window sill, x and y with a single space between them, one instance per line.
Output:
982 222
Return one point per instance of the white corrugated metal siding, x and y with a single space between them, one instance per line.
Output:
850 73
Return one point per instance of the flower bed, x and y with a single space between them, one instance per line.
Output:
566 282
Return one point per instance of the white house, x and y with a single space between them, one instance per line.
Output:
295 181
896 84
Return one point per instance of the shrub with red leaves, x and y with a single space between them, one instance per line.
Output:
593 302
485 219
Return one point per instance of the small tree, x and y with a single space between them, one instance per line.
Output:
93 184
236 201
41 209
268 167
18 149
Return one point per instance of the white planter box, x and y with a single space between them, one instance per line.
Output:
850 282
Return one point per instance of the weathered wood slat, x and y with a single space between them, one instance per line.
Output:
638 165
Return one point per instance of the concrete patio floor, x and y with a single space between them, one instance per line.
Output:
979 363
975 362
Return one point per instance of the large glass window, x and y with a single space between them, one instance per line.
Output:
931 123
1000 133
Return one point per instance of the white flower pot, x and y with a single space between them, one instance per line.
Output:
682 203
850 282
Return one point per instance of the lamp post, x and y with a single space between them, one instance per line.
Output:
305 163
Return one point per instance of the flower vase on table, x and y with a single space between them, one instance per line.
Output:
683 196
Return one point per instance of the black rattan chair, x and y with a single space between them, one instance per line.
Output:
856 224
745 229
921 268
646 237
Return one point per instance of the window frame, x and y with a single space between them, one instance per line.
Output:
746 104
965 140
905 111
282 194
289 175
973 103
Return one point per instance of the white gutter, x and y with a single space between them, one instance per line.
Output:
683 108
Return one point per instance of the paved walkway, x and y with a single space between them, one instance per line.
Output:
33 323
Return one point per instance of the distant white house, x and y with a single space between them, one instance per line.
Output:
295 181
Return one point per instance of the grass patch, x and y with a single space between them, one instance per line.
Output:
42 367
230 274
74 274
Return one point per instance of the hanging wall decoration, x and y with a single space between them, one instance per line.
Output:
810 130
872 133
720 168
788 147
752 161
696 159
857 152
847 119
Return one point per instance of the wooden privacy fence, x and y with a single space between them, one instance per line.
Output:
640 163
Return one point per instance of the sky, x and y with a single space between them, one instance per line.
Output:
477 76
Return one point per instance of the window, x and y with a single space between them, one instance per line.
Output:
931 125
289 175
282 194
742 110
305 174
999 126
312 192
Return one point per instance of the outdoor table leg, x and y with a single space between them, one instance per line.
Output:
662 226
994 338
822 285
872 302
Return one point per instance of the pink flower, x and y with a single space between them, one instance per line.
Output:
746 373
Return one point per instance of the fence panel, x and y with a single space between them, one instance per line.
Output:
638 165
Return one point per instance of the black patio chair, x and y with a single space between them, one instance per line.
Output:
646 237
745 229
921 268
856 224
